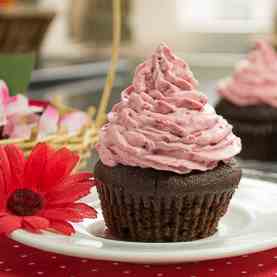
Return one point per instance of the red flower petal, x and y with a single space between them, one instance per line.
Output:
27 227
35 224
71 194
2 191
73 180
83 209
16 159
9 223
35 165
60 165
3 214
6 172
62 214
62 227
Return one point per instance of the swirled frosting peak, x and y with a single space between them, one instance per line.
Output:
254 81
164 122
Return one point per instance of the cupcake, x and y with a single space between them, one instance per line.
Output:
166 170
249 103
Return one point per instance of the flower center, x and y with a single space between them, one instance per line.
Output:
25 202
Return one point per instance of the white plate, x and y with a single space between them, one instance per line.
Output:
249 226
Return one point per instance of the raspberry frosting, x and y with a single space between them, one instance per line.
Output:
254 81
164 122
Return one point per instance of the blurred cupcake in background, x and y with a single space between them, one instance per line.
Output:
249 102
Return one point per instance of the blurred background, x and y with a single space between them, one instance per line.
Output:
72 39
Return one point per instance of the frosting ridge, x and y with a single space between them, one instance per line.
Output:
164 122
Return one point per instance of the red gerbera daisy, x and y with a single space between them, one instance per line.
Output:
40 193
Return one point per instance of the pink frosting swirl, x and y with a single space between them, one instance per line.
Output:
254 80
163 122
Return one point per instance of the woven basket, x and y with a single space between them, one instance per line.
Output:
80 143
83 142
22 29
90 21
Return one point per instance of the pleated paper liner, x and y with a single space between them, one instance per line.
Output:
191 217
257 128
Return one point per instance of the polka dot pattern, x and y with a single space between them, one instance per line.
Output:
19 260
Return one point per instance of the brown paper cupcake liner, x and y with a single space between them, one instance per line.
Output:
258 140
173 219
256 126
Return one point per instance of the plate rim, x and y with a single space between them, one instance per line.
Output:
90 252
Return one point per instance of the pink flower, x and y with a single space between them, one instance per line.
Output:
18 104
48 123
16 114
3 98
20 126
74 122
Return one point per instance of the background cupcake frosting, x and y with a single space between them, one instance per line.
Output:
254 80
163 122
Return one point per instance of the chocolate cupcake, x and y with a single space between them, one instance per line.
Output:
249 102
166 166
165 206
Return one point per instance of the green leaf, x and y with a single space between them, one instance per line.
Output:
16 71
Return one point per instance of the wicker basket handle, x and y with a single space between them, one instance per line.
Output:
91 111
63 109
101 114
